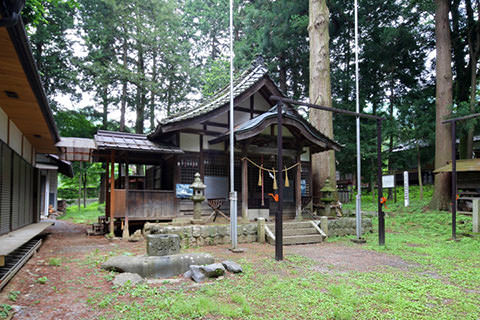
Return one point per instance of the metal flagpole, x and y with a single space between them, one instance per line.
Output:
233 193
358 211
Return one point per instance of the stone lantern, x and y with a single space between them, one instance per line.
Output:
198 197
327 196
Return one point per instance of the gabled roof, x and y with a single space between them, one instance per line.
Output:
256 75
241 83
111 140
291 119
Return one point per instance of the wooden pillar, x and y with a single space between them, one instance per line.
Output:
112 192
244 188
126 231
298 188
107 194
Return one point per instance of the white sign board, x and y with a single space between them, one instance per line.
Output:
388 181
405 186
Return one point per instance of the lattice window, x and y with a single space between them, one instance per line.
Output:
189 165
216 165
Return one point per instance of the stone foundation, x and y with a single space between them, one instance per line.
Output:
347 226
204 235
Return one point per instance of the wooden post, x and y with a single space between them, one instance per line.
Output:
126 231
244 188
454 181
279 213
475 208
112 192
107 194
298 188
79 185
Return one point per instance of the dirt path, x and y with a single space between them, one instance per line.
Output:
68 263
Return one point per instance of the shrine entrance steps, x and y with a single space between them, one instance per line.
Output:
303 232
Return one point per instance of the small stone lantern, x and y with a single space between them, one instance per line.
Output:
198 197
328 197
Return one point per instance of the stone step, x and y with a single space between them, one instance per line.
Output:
303 239
292 225
299 231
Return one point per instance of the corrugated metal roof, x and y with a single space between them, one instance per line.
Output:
110 140
241 83
461 166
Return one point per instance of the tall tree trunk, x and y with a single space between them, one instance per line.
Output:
124 88
152 93
474 49
105 106
140 110
323 164
419 170
443 139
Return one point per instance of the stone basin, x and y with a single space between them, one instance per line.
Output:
157 266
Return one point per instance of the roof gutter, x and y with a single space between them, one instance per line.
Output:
10 11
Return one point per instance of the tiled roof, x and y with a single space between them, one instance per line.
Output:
241 83
130 142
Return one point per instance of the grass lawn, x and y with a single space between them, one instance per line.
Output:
439 279
86 215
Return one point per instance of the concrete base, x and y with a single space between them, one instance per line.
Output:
359 241
237 250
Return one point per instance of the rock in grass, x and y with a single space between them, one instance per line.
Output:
197 274
188 274
232 266
213 270
127 277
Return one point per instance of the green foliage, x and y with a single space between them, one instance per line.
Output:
86 215
13 295
55 262
5 310
41 280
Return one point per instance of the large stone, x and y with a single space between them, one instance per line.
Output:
157 266
137 236
127 277
197 274
213 270
163 244
232 267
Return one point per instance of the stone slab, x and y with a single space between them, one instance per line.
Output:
157 266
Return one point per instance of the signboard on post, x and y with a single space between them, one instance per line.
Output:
405 186
388 181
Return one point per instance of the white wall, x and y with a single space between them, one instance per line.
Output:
15 138
305 156
190 142
3 126
27 150
218 146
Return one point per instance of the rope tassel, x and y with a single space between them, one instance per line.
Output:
260 176
287 183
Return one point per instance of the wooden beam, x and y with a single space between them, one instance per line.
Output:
201 131
298 189
215 124
242 109
252 105
244 187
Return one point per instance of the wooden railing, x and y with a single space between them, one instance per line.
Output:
145 204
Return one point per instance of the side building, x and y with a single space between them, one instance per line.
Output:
27 131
